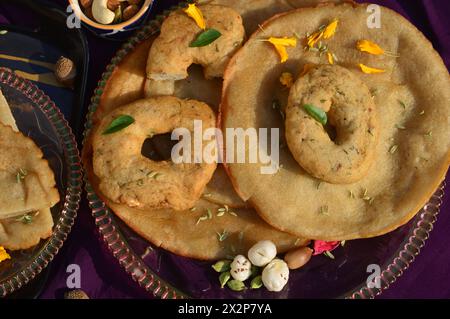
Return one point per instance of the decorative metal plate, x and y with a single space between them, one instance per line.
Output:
166 275
38 117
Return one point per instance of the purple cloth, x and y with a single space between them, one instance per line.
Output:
101 275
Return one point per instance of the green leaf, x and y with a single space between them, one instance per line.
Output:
222 236
206 37
118 124
316 113
27 218
223 278
236 285
222 265
256 282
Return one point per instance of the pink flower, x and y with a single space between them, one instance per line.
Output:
321 246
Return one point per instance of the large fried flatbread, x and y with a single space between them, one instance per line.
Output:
179 232
399 183
37 189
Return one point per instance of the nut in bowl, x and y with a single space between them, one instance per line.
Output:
113 19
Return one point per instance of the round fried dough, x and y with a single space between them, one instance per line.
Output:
128 177
351 112
411 157
172 53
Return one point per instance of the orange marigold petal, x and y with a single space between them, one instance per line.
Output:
282 52
369 47
280 45
368 70
285 41
195 13
330 29
3 254
330 58
314 38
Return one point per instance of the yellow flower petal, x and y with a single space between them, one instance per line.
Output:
330 58
369 47
330 29
314 38
3 254
287 79
369 70
285 41
280 45
282 52
306 68
195 13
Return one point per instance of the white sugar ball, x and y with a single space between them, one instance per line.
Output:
262 253
240 268
275 275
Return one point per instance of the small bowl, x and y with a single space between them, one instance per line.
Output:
113 31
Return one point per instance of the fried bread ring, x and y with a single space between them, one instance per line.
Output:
127 177
171 55
351 112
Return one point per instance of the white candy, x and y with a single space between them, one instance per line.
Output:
275 275
240 268
262 253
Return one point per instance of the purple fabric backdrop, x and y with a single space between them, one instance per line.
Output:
102 277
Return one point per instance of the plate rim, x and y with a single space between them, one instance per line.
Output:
63 225
154 284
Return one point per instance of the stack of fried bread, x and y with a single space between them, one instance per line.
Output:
27 187
210 211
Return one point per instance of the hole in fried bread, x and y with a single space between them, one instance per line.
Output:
332 124
158 148
331 131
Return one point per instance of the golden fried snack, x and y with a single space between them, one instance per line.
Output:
26 181
351 117
6 116
16 234
171 54
128 177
